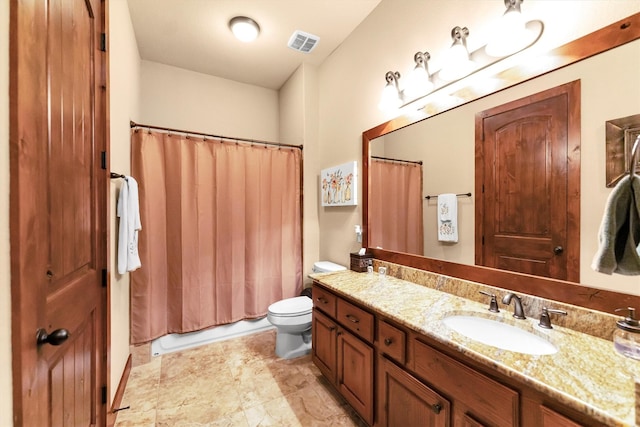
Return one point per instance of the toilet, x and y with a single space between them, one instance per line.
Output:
292 319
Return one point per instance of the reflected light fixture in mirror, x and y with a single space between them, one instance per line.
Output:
419 83
511 34
244 28
391 98
457 63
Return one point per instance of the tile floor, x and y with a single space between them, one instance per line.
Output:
238 382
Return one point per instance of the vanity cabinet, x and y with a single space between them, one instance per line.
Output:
342 338
393 376
406 401
477 399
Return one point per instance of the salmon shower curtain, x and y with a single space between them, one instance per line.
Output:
221 236
396 206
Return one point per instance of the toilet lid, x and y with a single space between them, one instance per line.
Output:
291 306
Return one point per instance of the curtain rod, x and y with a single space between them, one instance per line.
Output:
187 132
417 162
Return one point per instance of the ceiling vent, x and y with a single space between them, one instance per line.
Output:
303 42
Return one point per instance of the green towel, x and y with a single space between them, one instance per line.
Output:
619 235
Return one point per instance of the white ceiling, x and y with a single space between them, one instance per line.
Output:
194 34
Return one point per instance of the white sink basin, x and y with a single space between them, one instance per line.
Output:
500 335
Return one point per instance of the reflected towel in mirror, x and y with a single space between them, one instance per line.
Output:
447 217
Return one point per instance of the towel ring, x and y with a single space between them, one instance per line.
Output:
634 155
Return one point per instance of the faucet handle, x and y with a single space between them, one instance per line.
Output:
493 304
545 319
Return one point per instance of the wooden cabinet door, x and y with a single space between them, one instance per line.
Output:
406 402
355 373
323 342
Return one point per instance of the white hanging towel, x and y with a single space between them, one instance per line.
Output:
129 213
447 217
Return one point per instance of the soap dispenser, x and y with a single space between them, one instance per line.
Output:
626 338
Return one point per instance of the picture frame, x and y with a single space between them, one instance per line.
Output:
339 185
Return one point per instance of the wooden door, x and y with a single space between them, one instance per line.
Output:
406 402
57 210
323 342
355 373
528 179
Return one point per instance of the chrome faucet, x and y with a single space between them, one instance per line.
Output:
518 312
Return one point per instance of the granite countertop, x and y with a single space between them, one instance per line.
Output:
586 373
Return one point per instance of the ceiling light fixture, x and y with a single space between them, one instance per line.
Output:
244 28
391 98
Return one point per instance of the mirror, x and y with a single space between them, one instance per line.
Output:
437 136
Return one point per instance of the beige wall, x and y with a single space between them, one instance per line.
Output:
6 403
177 98
387 40
124 75
298 100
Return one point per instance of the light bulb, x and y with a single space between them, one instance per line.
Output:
510 35
390 99
457 63
419 83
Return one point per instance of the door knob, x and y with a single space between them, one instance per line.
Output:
56 337
558 250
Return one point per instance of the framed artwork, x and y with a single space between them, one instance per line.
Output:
339 186
621 134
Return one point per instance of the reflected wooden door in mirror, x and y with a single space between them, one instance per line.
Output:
528 184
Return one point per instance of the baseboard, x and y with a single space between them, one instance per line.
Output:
117 399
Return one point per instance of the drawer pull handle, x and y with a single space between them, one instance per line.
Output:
353 319
388 341
436 408
332 328
323 300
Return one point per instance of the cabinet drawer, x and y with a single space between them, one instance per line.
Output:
551 418
391 341
324 300
489 401
356 320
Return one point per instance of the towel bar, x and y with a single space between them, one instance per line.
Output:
459 195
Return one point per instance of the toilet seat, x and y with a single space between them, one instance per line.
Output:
291 307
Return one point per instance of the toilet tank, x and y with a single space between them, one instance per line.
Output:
327 266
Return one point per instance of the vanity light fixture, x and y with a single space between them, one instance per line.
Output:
244 28
419 83
457 63
391 98
511 34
